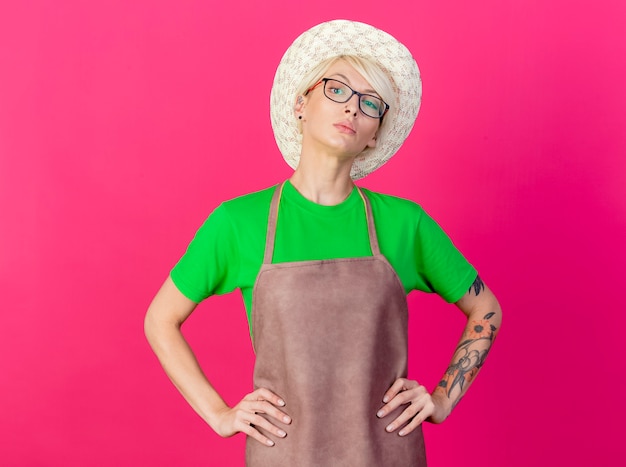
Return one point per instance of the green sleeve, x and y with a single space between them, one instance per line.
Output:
442 267
210 265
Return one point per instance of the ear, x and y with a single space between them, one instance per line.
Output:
298 108
372 142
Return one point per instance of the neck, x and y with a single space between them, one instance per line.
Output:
326 187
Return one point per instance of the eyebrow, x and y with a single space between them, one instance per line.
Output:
367 91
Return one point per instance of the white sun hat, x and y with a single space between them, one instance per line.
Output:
333 39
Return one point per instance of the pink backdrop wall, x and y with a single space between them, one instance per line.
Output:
123 124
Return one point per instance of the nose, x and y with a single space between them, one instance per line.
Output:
352 106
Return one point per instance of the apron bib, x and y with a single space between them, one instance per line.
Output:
330 338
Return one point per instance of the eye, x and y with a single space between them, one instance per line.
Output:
371 103
338 91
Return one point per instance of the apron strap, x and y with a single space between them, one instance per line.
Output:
371 228
273 220
271 224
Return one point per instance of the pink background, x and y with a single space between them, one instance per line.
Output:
123 124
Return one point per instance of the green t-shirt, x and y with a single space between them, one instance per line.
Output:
227 251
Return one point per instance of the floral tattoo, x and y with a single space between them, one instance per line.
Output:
472 353
478 286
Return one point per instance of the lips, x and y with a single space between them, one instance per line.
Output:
345 127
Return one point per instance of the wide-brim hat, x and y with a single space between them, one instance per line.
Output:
333 39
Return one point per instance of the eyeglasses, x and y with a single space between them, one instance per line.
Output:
340 92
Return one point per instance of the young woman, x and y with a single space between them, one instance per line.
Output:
324 268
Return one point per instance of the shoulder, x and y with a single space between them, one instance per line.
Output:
395 214
394 206
242 221
252 199
249 206
238 213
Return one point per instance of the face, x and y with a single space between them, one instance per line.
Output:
337 128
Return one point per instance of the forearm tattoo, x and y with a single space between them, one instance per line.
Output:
470 354
478 286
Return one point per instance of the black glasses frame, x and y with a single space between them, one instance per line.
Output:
384 109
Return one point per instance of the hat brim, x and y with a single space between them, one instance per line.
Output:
333 39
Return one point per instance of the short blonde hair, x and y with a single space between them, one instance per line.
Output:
374 75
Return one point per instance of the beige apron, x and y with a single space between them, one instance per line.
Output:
330 338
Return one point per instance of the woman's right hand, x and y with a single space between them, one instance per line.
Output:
244 417
167 312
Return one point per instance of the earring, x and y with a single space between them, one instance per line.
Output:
299 117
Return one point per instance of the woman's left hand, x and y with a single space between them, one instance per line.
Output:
421 405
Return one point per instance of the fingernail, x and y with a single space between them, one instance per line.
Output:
380 413
281 402
390 427
270 442
386 399
286 419
402 433
281 433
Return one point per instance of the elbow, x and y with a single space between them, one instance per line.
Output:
149 328
160 330
154 328
484 307
495 315
165 315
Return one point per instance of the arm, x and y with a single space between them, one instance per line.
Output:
484 318
163 321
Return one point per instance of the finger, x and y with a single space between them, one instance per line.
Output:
402 398
257 421
416 413
252 432
395 388
250 423
266 394
267 408
418 419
